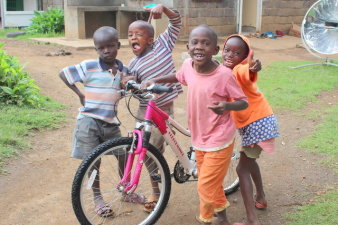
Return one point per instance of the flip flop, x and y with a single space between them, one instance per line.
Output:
149 206
261 206
104 210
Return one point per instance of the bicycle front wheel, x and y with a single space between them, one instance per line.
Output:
99 174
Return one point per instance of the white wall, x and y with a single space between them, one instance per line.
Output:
19 18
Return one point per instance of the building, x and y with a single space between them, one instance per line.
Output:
18 13
82 17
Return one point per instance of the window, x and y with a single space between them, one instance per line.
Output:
14 5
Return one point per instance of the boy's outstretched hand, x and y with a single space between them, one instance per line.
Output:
218 107
255 66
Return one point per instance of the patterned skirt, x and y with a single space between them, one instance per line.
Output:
259 130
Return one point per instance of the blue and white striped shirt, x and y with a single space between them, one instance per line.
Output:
100 88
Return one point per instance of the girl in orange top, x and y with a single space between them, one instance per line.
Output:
257 124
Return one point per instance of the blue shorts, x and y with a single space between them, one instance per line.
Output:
259 130
89 133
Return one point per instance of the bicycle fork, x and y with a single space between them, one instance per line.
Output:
129 184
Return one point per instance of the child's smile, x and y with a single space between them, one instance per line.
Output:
202 46
198 56
233 52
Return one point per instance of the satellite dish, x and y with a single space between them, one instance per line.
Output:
319 31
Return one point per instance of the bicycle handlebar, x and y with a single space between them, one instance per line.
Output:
157 88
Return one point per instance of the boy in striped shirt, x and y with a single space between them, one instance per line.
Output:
154 59
96 121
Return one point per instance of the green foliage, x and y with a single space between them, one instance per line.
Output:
287 88
323 210
324 138
18 122
16 87
51 21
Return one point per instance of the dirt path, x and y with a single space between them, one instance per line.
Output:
37 190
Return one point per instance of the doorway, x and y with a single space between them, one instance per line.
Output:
249 16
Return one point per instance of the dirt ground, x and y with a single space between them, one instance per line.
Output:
37 189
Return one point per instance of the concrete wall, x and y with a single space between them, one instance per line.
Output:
141 3
281 14
219 14
94 2
53 4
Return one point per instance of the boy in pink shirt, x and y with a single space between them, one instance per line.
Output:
212 93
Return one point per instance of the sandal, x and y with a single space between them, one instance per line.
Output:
149 206
134 198
259 205
104 210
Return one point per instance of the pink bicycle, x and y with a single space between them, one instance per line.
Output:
121 174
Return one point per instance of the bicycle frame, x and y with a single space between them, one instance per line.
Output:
153 116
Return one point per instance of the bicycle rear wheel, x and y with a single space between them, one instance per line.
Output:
108 156
231 180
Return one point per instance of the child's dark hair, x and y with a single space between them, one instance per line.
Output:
106 31
212 33
149 28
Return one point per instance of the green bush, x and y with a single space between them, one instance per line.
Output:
16 87
51 21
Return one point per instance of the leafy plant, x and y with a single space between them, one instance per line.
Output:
16 87
51 21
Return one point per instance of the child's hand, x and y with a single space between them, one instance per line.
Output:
255 66
147 83
218 107
125 79
155 12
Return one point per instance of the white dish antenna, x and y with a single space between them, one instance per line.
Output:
319 31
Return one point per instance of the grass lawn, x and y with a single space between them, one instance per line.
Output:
324 139
18 123
292 89
322 210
